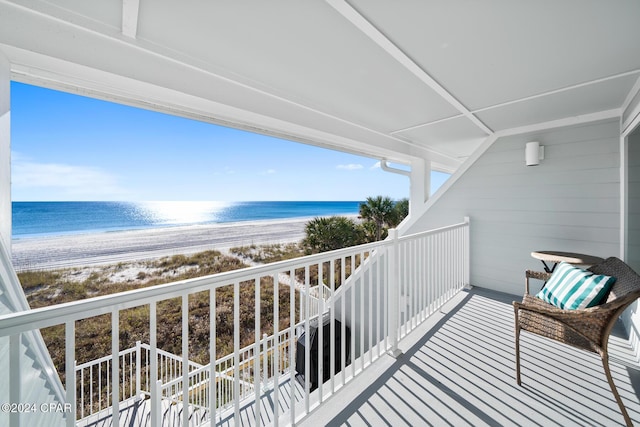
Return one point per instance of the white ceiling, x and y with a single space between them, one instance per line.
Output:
387 79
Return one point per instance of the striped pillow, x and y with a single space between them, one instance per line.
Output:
574 288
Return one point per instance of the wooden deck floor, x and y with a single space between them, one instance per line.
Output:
460 370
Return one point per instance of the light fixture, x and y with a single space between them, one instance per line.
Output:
533 153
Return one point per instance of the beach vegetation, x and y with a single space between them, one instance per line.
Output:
382 213
265 254
377 215
329 233
401 211
93 335
36 280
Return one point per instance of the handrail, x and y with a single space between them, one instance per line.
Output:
433 231
161 352
77 310
94 362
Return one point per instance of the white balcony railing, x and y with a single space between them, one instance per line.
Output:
379 293
93 378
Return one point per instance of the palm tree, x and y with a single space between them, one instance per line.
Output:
380 211
329 233
400 212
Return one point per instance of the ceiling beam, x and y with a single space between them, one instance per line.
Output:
366 27
130 12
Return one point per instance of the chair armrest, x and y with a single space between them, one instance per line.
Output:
530 274
540 275
589 323
568 316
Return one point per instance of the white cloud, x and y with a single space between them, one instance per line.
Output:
376 165
271 171
350 167
63 180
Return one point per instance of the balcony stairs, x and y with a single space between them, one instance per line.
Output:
40 390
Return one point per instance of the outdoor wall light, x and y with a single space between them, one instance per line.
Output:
533 153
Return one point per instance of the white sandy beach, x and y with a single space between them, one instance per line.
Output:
111 247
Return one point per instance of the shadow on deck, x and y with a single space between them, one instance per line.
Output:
459 369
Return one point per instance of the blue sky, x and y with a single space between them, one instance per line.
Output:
68 147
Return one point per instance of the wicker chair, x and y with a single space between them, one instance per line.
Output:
588 328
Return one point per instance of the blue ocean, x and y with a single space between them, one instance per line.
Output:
32 219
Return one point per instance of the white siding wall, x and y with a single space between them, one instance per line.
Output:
632 315
570 202
633 201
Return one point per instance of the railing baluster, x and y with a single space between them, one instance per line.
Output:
236 345
265 357
115 366
352 316
409 285
307 341
320 335
332 326
394 288
379 312
343 325
439 278
370 310
81 393
416 282
292 362
213 379
132 375
138 369
418 279
91 389
467 251
425 281
99 387
276 352
256 350
363 334
185 359
449 268
156 405
406 300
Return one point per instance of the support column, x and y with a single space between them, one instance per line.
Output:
420 186
393 281
5 152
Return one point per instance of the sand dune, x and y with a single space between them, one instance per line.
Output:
111 247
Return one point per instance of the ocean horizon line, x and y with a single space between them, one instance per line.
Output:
188 201
41 218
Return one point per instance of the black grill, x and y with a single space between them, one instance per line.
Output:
314 368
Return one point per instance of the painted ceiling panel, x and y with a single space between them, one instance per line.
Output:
101 12
317 59
393 79
490 52
601 96
458 137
